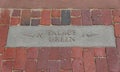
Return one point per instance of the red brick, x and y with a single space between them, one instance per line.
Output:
20 58
0 63
31 66
56 13
7 66
86 17
117 30
2 49
116 12
76 21
107 16
77 52
32 53
5 16
54 66
43 58
116 15
54 54
15 21
100 52
76 13
35 14
65 54
66 64
3 35
25 18
77 65
113 57
9 53
45 17
16 13
101 65
116 19
89 62
96 17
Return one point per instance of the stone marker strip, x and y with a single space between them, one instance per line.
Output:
61 36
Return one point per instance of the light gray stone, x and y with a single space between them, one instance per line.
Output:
61 36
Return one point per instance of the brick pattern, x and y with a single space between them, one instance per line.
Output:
75 59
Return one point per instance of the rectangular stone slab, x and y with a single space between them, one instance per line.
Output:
61 36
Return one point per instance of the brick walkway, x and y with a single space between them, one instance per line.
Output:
74 59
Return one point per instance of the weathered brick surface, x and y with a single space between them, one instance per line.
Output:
100 52
16 13
77 52
45 17
9 53
77 65
76 21
25 18
31 66
32 53
35 22
36 14
20 59
56 13
116 15
117 30
89 62
101 65
86 17
5 16
7 66
3 35
15 21
96 17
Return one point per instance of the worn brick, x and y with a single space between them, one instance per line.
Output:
56 21
86 17
20 58
100 52
7 66
89 62
25 18
107 16
15 21
76 21
77 52
3 35
9 53
45 17
43 58
54 54
117 30
54 66
116 15
76 13
65 56
17 70
96 17
113 57
101 65
35 22
36 14
32 53
65 17
77 65
56 13
31 66
2 49
5 16
0 63
16 13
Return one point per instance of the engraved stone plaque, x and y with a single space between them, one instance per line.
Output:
61 36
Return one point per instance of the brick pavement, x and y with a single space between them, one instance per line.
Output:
75 59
